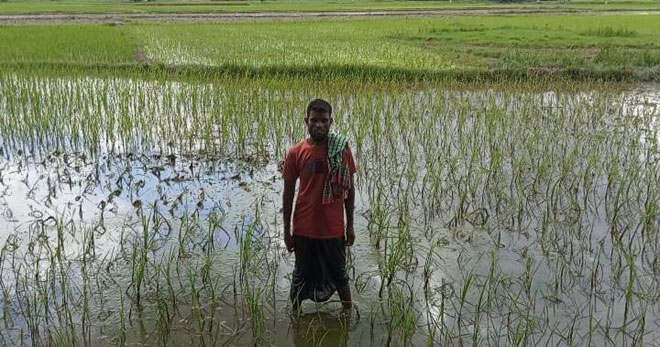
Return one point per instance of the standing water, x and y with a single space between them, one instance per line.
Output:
149 212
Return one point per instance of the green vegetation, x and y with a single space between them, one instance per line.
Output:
140 195
70 45
557 46
148 211
425 46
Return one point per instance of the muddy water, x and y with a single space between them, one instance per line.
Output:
163 228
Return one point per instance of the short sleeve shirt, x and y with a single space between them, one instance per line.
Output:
311 218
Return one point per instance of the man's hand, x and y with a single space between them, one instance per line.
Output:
288 241
350 235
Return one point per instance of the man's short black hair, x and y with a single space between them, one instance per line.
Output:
319 105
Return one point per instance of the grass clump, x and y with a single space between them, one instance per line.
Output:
608 31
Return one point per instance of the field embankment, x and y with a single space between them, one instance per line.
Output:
155 7
117 18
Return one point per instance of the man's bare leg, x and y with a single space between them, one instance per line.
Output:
345 296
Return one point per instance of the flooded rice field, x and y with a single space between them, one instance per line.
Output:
146 212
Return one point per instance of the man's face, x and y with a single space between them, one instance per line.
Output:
318 125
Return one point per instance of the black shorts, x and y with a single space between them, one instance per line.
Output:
320 268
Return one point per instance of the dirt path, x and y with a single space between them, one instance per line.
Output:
120 18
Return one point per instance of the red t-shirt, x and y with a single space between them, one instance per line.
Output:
311 218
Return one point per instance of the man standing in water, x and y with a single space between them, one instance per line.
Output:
324 163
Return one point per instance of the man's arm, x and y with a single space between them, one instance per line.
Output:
287 207
349 204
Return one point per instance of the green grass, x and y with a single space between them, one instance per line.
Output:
93 44
566 46
435 44
557 42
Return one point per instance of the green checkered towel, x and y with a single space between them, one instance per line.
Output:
338 182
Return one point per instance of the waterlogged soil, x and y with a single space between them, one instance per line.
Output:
546 232
120 18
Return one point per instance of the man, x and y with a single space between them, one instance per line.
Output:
324 163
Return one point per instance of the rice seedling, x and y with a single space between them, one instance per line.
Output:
616 48
514 215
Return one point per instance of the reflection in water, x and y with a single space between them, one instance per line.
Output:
321 328
508 216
